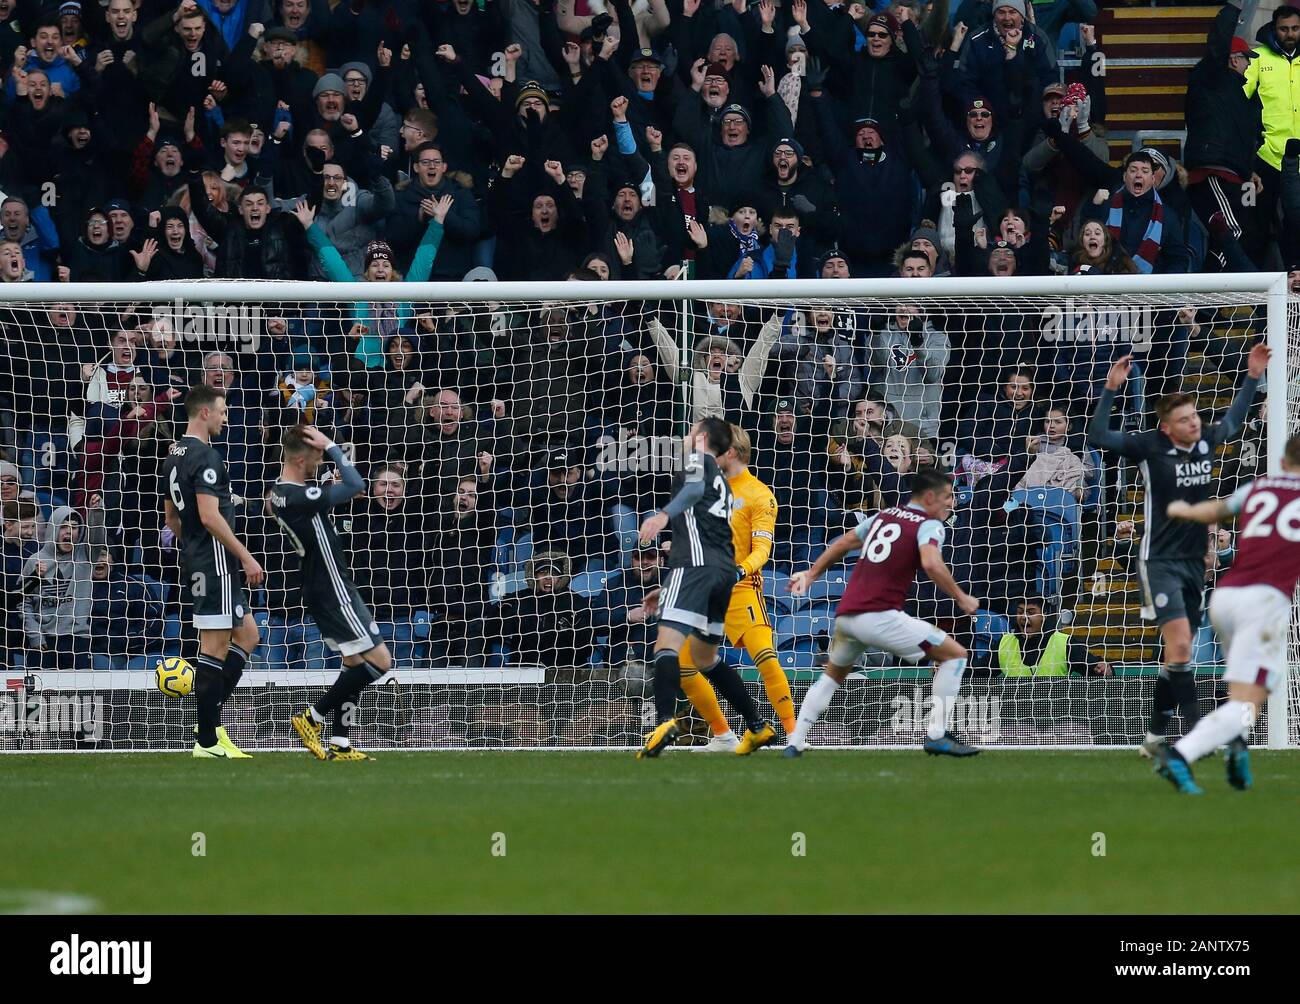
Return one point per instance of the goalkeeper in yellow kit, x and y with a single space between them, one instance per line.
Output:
753 525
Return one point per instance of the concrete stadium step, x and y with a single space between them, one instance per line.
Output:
1148 51
1125 653
1115 634
1106 615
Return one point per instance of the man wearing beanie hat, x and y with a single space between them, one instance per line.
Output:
1224 129
790 185
532 97
382 124
330 83
882 77
715 90
873 185
834 264
980 133
281 77
733 145
638 231
983 70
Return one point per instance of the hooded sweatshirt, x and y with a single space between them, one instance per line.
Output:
59 602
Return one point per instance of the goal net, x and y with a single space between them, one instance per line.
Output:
512 438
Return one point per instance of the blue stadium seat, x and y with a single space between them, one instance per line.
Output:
590 583
43 461
776 590
1061 516
799 658
794 629
505 538
830 586
821 608
421 624
1094 495
986 628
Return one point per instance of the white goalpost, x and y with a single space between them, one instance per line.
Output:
512 437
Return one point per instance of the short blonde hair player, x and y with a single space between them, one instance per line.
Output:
753 531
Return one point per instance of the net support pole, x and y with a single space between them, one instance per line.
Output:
684 362
1276 337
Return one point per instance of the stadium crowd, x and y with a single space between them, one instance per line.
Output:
507 139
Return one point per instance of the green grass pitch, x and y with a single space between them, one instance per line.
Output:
882 832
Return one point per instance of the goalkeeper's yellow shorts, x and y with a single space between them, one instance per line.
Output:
746 611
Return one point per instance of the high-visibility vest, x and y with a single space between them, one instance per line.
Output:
1055 660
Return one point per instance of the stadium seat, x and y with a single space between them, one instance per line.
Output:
800 658
792 629
590 583
776 590
821 608
43 461
829 586
1095 494
1060 514
421 624
505 538
521 553
986 628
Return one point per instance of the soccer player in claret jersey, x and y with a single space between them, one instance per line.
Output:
1251 611
895 542
302 508
199 510
1177 461
697 591
753 531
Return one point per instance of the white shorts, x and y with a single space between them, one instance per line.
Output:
1252 624
889 630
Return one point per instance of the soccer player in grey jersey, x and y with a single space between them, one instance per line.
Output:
302 508
214 564
1177 462
701 573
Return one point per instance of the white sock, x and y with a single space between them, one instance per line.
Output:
343 742
1153 738
729 735
818 699
1220 727
314 715
947 682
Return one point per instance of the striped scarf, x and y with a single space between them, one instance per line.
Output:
748 242
1149 250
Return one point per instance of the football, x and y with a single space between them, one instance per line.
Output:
174 676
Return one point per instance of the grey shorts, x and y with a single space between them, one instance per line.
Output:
1172 589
